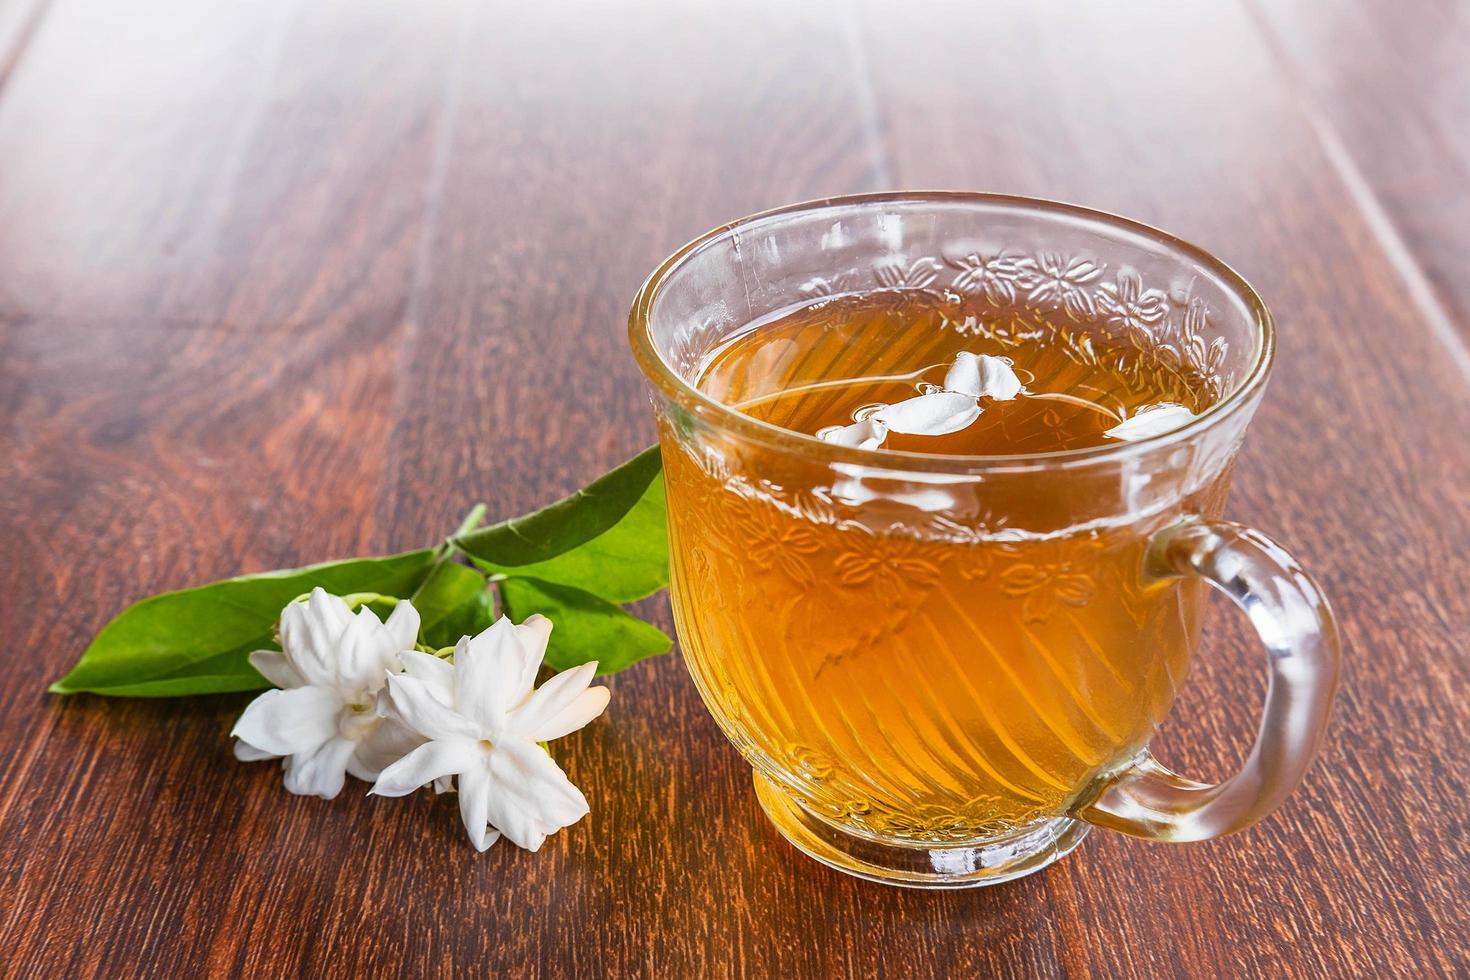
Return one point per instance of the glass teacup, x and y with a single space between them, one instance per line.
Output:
946 669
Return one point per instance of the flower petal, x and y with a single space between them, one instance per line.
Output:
493 672
403 625
934 414
534 633
331 612
982 375
320 772
384 744
964 374
289 722
512 818
532 797
328 616
276 668
867 434
246 752
561 706
436 672
366 652
414 703
474 805
1151 421
429 762
309 634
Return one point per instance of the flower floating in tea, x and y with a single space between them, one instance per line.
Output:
939 410
982 376
1151 420
942 409
935 414
866 433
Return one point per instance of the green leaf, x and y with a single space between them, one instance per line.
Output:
571 522
628 561
470 619
584 627
453 602
196 641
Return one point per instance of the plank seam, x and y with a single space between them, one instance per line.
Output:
1396 250
867 98
422 274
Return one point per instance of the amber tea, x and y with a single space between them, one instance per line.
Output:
944 475
938 680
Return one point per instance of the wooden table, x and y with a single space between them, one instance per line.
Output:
285 280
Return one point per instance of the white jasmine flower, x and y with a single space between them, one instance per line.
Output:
937 412
934 414
1151 420
483 721
324 718
982 376
866 434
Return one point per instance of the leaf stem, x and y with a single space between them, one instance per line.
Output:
472 520
448 549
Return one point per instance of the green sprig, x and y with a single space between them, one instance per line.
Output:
574 561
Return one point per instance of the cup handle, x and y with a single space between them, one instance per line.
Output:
1295 624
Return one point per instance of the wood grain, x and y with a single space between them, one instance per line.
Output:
285 281
1389 96
1275 208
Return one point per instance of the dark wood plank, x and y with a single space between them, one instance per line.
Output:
1380 515
285 281
210 231
140 459
232 161
1387 89
586 145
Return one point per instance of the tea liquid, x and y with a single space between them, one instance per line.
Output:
821 365
923 679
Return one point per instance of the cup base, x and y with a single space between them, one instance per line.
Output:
971 865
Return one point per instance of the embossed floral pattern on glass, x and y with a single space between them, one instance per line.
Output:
938 664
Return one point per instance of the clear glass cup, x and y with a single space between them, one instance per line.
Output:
943 669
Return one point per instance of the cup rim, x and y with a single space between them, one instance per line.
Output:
667 380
